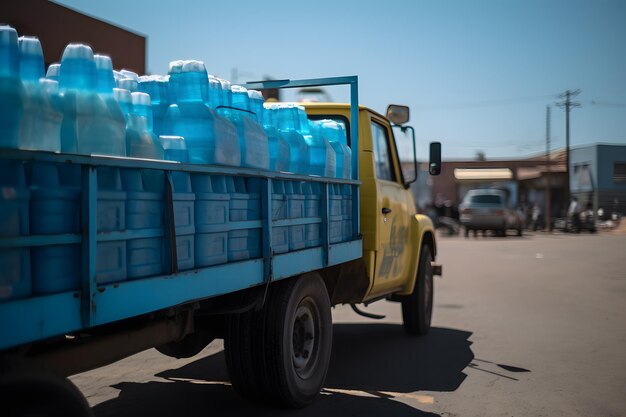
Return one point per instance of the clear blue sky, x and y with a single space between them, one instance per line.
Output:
477 74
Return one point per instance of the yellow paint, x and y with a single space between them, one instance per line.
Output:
391 242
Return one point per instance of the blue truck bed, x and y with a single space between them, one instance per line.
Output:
258 226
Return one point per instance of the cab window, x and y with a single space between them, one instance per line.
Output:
382 155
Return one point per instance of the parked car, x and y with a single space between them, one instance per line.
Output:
486 209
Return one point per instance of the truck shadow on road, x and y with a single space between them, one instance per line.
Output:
373 368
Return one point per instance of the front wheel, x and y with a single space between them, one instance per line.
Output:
417 308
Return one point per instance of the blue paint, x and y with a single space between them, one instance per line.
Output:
15 276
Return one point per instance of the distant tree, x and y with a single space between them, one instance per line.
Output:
481 156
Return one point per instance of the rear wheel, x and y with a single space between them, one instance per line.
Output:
30 391
281 354
417 308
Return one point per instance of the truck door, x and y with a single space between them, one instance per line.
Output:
393 212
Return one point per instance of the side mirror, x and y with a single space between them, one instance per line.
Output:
398 115
434 165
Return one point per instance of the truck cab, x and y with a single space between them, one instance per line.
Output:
394 235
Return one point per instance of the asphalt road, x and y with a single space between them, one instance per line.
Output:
530 326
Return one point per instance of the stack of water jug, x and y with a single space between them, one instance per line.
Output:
82 106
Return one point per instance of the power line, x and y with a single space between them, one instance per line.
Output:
605 104
486 103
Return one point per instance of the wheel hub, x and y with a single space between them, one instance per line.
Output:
306 323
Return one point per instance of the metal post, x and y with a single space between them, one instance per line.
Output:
548 190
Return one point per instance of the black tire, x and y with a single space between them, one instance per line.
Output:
243 350
298 340
30 391
417 308
519 231
265 350
467 230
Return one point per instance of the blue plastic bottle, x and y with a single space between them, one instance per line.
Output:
341 141
210 138
141 142
227 94
53 72
278 145
322 157
216 96
252 138
40 127
124 101
256 105
156 87
336 135
286 120
174 148
11 89
92 124
128 80
105 81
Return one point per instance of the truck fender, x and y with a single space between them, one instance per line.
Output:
422 233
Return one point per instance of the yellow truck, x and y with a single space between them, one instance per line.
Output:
268 299
398 265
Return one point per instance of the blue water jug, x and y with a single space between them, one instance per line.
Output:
252 137
174 148
53 72
210 138
336 135
128 80
278 145
105 81
40 127
227 94
256 105
322 156
141 142
11 89
156 87
287 122
215 95
92 124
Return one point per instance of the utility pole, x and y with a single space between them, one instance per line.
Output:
548 191
567 104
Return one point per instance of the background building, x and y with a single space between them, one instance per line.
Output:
598 176
56 26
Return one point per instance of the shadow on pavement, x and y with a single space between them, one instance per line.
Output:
371 364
